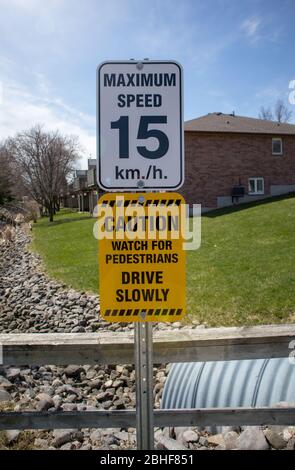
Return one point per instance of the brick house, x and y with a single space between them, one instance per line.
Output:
233 159
83 192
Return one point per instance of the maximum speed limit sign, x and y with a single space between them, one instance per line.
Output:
139 125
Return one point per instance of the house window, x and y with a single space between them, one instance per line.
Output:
277 146
256 186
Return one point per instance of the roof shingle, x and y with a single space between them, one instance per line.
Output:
219 122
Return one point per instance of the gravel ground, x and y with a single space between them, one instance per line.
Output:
31 302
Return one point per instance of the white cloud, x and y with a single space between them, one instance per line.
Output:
250 27
21 108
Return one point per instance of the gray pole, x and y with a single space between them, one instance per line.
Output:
143 339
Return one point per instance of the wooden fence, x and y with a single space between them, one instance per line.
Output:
186 345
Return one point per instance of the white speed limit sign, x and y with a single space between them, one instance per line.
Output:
139 125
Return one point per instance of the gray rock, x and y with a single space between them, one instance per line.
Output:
118 383
178 432
79 436
57 383
44 402
91 374
95 436
78 329
41 443
231 440
119 405
95 384
111 440
158 387
275 439
252 438
5 396
48 390
68 446
190 436
67 390
108 384
57 401
12 373
5 384
12 435
107 404
69 406
30 393
73 295
104 396
73 371
166 443
288 433
62 436
71 398
43 405
203 441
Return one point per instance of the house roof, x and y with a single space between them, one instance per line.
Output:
219 122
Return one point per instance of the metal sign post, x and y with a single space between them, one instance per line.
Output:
143 338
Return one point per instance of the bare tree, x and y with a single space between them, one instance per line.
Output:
45 159
266 114
281 112
6 176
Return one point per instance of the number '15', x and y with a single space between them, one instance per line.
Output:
143 133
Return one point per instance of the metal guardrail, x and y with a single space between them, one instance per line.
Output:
186 345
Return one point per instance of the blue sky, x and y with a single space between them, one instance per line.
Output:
236 54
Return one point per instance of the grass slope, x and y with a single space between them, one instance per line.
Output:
242 274
68 249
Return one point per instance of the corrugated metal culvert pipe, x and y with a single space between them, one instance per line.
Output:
257 382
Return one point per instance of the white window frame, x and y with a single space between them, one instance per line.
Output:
272 143
256 191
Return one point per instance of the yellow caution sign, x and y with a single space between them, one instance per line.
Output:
141 257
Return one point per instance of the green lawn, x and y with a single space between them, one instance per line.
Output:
69 249
244 272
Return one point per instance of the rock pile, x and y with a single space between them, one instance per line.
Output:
31 303
248 438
